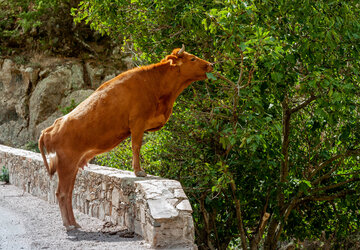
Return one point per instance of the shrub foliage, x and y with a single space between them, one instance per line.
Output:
270 150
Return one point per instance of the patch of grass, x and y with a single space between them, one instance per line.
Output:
68 109
32 146
20 59
4 175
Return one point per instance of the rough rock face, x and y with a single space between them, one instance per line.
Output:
33 96
14 88
47 95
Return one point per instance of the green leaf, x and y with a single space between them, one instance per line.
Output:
211 76
243 46
276 76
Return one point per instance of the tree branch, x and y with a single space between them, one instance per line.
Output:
332 159
233 84
241 70
350 173
303 104
324 164
284 171
206 221
239 215
255 241
225 79
325 176
262 223
327 197
334 185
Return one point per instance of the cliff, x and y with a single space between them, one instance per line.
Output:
34 94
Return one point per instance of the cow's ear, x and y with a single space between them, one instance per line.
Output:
175 51
172 59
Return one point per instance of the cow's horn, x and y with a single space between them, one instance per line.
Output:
181 50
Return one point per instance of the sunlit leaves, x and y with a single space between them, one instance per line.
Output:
276 55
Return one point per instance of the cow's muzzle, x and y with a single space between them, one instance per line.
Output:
210 67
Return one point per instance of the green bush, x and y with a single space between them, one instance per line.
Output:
32 146
4 175
67 109
270 150
42 25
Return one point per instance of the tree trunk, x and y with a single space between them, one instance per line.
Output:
271 234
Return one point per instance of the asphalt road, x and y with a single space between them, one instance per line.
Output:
27 222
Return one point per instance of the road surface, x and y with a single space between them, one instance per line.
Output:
27 222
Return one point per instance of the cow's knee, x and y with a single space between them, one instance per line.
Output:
60 196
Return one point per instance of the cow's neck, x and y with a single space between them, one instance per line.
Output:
169 85
169 82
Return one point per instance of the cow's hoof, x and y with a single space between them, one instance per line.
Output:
70 228
140 173
77 225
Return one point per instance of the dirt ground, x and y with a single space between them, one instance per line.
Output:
27 222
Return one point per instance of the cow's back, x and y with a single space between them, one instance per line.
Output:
103 118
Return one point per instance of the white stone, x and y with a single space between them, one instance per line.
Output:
107 208
166 193
173 201
103 186
114 216
107 218
101 212
171 184
142 215
138 227
95 211
161 209
185 206
115 197
179 193
151 190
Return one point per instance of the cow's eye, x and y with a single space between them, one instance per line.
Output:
193 59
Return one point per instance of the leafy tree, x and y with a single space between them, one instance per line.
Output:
270 150
42 25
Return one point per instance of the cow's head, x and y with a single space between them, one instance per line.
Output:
189 66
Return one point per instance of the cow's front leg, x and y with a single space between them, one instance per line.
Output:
67 176
136 141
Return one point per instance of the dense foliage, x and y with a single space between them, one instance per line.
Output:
269 149
46 26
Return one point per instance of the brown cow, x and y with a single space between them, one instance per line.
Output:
135 101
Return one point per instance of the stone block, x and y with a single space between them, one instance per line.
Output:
114 216
185 206
161 209
179 193
101 212
115 196
142 215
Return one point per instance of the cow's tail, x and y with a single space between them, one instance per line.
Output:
42 147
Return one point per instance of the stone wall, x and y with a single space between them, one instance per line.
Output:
155 208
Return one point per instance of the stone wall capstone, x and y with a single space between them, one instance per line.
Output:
155 208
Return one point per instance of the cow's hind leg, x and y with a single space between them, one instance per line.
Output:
67 176
69 207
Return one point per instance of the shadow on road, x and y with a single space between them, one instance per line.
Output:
108 235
